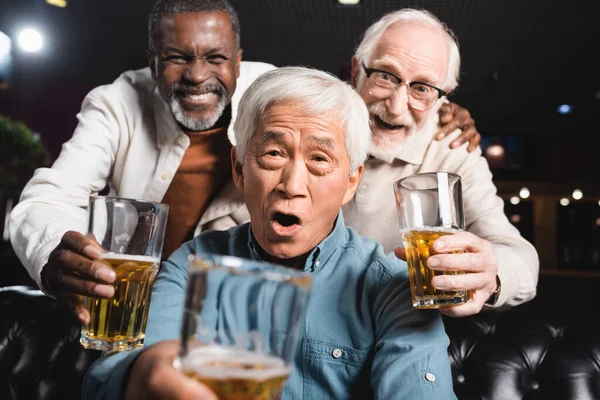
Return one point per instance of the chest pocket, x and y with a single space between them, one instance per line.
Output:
331 371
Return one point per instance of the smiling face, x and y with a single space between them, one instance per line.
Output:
295 177
414 52
196 66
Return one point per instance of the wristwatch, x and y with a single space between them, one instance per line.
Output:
493 299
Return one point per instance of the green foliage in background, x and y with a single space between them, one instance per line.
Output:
21 152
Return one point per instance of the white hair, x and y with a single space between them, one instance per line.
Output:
317 92
411 16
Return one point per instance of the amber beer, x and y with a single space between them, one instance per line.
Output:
236 374
122 319
417 243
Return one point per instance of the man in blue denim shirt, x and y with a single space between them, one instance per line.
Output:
302 136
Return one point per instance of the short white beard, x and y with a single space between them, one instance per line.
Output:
196 124
386 149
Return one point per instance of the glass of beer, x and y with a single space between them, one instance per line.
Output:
131 234
241 326
429 206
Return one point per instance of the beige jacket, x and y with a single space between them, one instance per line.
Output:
373 213
128 140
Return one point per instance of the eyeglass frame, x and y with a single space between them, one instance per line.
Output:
370 71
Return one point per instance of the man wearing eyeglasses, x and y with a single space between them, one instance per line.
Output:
405 66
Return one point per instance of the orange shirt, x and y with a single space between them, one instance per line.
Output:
204 169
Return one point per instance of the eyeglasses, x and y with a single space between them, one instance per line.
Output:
422 96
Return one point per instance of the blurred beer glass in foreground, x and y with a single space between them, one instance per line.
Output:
429 206
241 326
131 233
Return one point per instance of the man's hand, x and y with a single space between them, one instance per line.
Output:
478 261
452 117
154 377
73 271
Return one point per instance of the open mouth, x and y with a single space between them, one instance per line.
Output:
285 219
285 224
381 123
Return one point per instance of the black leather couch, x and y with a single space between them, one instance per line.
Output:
546 349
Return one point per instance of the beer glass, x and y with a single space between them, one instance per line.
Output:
131 234
241 325
429 206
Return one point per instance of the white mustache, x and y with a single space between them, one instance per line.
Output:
378 108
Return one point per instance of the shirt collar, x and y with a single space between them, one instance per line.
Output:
319 256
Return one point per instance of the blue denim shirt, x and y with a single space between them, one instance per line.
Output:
360 305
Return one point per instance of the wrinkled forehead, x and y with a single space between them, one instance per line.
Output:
300 121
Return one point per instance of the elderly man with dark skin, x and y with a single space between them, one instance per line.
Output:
302 136
161 134
406 64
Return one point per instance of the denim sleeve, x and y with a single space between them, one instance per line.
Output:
106 378
411 345
168 296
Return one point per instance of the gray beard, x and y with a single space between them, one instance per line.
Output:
387 150
196 124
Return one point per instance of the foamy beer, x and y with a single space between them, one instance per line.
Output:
237 374
241 325
429 206
131 232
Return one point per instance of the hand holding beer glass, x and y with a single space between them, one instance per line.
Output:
429 206
241 326
131 234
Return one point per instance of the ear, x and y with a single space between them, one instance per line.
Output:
237 171
355 71
152 63
239 62
353 184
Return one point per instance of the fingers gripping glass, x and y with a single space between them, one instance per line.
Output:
422 95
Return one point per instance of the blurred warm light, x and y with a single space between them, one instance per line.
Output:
599 202
516 218
524 193
564 201
30 40
495 151
598 222
515 200
345 2
577 194
57 3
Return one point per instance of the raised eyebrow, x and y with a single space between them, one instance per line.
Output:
271 136
325 142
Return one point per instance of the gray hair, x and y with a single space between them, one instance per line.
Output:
162 7
317 92
407 16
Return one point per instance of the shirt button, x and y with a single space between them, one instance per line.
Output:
317 263
362 189
337 353
181 141
164 176
430 377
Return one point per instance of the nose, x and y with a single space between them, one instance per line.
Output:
397 103
294 180
196 72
